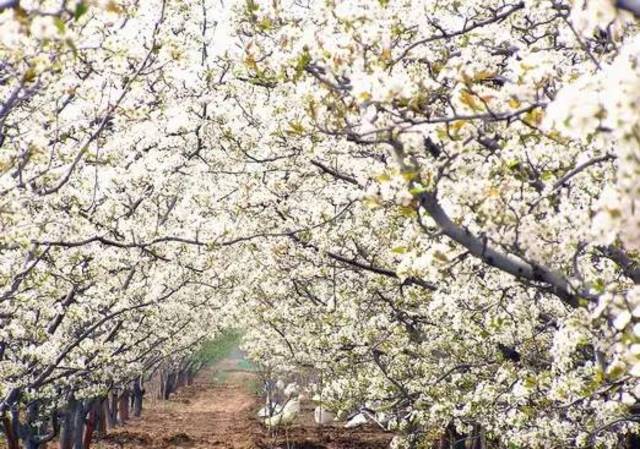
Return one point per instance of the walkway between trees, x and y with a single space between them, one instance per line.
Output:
213 413
219 412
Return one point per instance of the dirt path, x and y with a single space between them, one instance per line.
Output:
213 413
219 412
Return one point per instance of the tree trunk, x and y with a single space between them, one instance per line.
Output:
31 443
169 385
478 441
124 406
9 433
26 431
138 396
451 439
101 417
112 410
66 434
163 382
92 420
79 425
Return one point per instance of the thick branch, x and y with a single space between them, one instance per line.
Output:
517 267
6 4
630 267
632 6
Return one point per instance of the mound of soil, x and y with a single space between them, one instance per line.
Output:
127 438
294 444
334 437
178 439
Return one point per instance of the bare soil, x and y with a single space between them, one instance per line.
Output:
219 412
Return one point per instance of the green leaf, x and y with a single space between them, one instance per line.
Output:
265 24
417 189
295 128
301 64
583 302
408 212
81 10
252 6
513 164
72 46
547 175
598 285
59 23
29 75
616 372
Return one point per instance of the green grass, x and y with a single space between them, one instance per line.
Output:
246 365
255 387
214 350
218 348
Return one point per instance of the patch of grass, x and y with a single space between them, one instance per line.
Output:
246 365
255 387
218 348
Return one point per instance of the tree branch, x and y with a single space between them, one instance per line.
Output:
383 271
630 267
633 6
517 267
334 173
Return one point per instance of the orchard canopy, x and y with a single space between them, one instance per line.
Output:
431 205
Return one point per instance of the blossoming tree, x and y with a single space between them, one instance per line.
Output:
430 205
472 172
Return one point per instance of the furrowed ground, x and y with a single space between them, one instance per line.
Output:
219 412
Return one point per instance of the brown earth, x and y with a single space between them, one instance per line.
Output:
219 412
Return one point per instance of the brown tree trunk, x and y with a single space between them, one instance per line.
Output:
138 396
124 406
477 437
169 385
11 437
163 382
79 424
112 410
67 433
90 426
101 417
451 439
